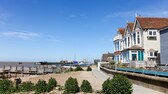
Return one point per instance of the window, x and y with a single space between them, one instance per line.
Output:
151 54
128 41
150 32
117 46
152 35
152 38
134 37
138 37
125 42
120 45
154 32
155 54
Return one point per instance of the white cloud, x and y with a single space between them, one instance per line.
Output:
20 34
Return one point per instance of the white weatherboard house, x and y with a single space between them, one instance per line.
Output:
138 44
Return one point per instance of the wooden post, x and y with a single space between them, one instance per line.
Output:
22 71
10 71
29 70
16 72
36 70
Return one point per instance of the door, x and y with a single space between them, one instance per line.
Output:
134 57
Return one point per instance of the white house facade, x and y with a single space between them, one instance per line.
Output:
140 43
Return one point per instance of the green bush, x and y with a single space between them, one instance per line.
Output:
89 68
6 86
105 86
118 85
71 86
78 68
41 86
86 87
71 69
51 84
112 62
27 86
121 84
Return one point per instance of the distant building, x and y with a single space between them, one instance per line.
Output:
96 61
164 45
106 57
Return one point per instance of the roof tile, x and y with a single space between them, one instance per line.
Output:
152 23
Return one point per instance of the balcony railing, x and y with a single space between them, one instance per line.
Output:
117 37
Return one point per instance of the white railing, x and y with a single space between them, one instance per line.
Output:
117 37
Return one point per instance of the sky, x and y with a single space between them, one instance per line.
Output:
54 30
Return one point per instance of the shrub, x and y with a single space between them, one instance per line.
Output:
118 85
78 68
6 86
89 68
119 64
27 86
51 84
86 87
71 69
112 62
71 86
41 86
105 86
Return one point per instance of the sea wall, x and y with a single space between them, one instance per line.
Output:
152 82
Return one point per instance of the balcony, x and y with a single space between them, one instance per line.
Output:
117 37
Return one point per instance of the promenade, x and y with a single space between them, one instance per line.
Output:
136 88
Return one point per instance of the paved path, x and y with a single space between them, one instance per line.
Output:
136 88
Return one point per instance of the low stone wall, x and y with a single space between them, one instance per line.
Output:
153 82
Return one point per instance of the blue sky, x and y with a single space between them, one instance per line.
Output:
52 30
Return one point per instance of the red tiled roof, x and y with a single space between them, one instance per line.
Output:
105 56
152 23
152 50
121 30
130 25
135 48
117 52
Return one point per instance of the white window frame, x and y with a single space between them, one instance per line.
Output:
151 56
151 53
152 33
138 34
